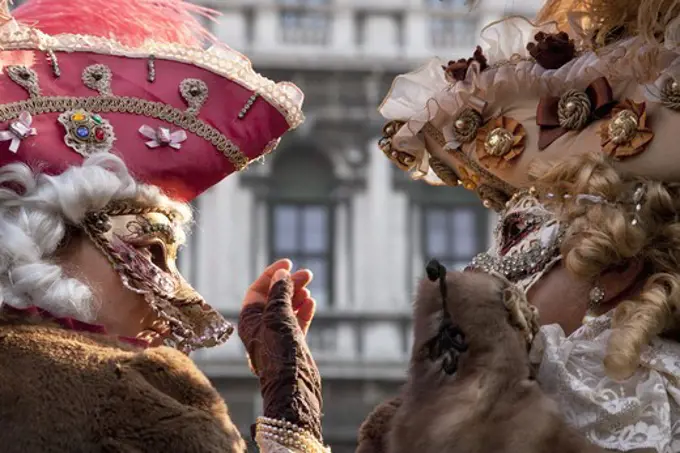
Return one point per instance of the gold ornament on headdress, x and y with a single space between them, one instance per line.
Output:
403 160
468 178
466 125
670 94
626 134
500 141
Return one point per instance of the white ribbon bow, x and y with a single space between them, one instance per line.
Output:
18 130
163 137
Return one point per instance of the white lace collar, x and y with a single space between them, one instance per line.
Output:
642 412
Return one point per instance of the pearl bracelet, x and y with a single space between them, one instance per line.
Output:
288 435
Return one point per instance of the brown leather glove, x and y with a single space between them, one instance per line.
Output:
289 378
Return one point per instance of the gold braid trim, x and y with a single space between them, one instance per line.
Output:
489 178
117 208
136 106
443 172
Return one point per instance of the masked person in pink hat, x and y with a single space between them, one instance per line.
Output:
113 115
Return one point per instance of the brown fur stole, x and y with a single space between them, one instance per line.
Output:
67 391
490 404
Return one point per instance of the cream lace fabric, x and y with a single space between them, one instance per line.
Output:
641 413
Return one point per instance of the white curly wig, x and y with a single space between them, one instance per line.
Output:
37 212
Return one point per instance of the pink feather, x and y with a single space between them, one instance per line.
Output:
131 22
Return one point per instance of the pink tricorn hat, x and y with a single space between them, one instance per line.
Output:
134 79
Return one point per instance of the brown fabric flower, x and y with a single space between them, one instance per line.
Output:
500 140
574 110
626 133
457 70
552 50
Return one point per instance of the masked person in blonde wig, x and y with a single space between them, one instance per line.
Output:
567 127
114 115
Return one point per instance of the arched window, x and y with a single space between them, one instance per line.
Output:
301 215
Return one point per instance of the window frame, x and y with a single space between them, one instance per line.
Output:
301 9
481 227
329 256
439 34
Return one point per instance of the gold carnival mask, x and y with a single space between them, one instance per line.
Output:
142 245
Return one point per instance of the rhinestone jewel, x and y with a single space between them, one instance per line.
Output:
99 134
623 126
498 142
83 132
596 295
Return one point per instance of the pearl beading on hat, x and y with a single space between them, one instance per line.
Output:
222 61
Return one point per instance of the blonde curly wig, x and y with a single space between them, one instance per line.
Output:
605 236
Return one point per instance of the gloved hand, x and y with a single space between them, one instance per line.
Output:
274 336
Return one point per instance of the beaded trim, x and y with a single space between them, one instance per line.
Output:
236 67
521 265
288 435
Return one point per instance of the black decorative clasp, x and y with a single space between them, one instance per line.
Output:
449 342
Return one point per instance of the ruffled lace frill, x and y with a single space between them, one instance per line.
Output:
642 412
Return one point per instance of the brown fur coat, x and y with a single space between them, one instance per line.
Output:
78 392
490 404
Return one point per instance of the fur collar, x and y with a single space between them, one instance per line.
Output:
67 386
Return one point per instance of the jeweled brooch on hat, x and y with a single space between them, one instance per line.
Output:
87 132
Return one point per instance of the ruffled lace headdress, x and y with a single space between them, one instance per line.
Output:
588 75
